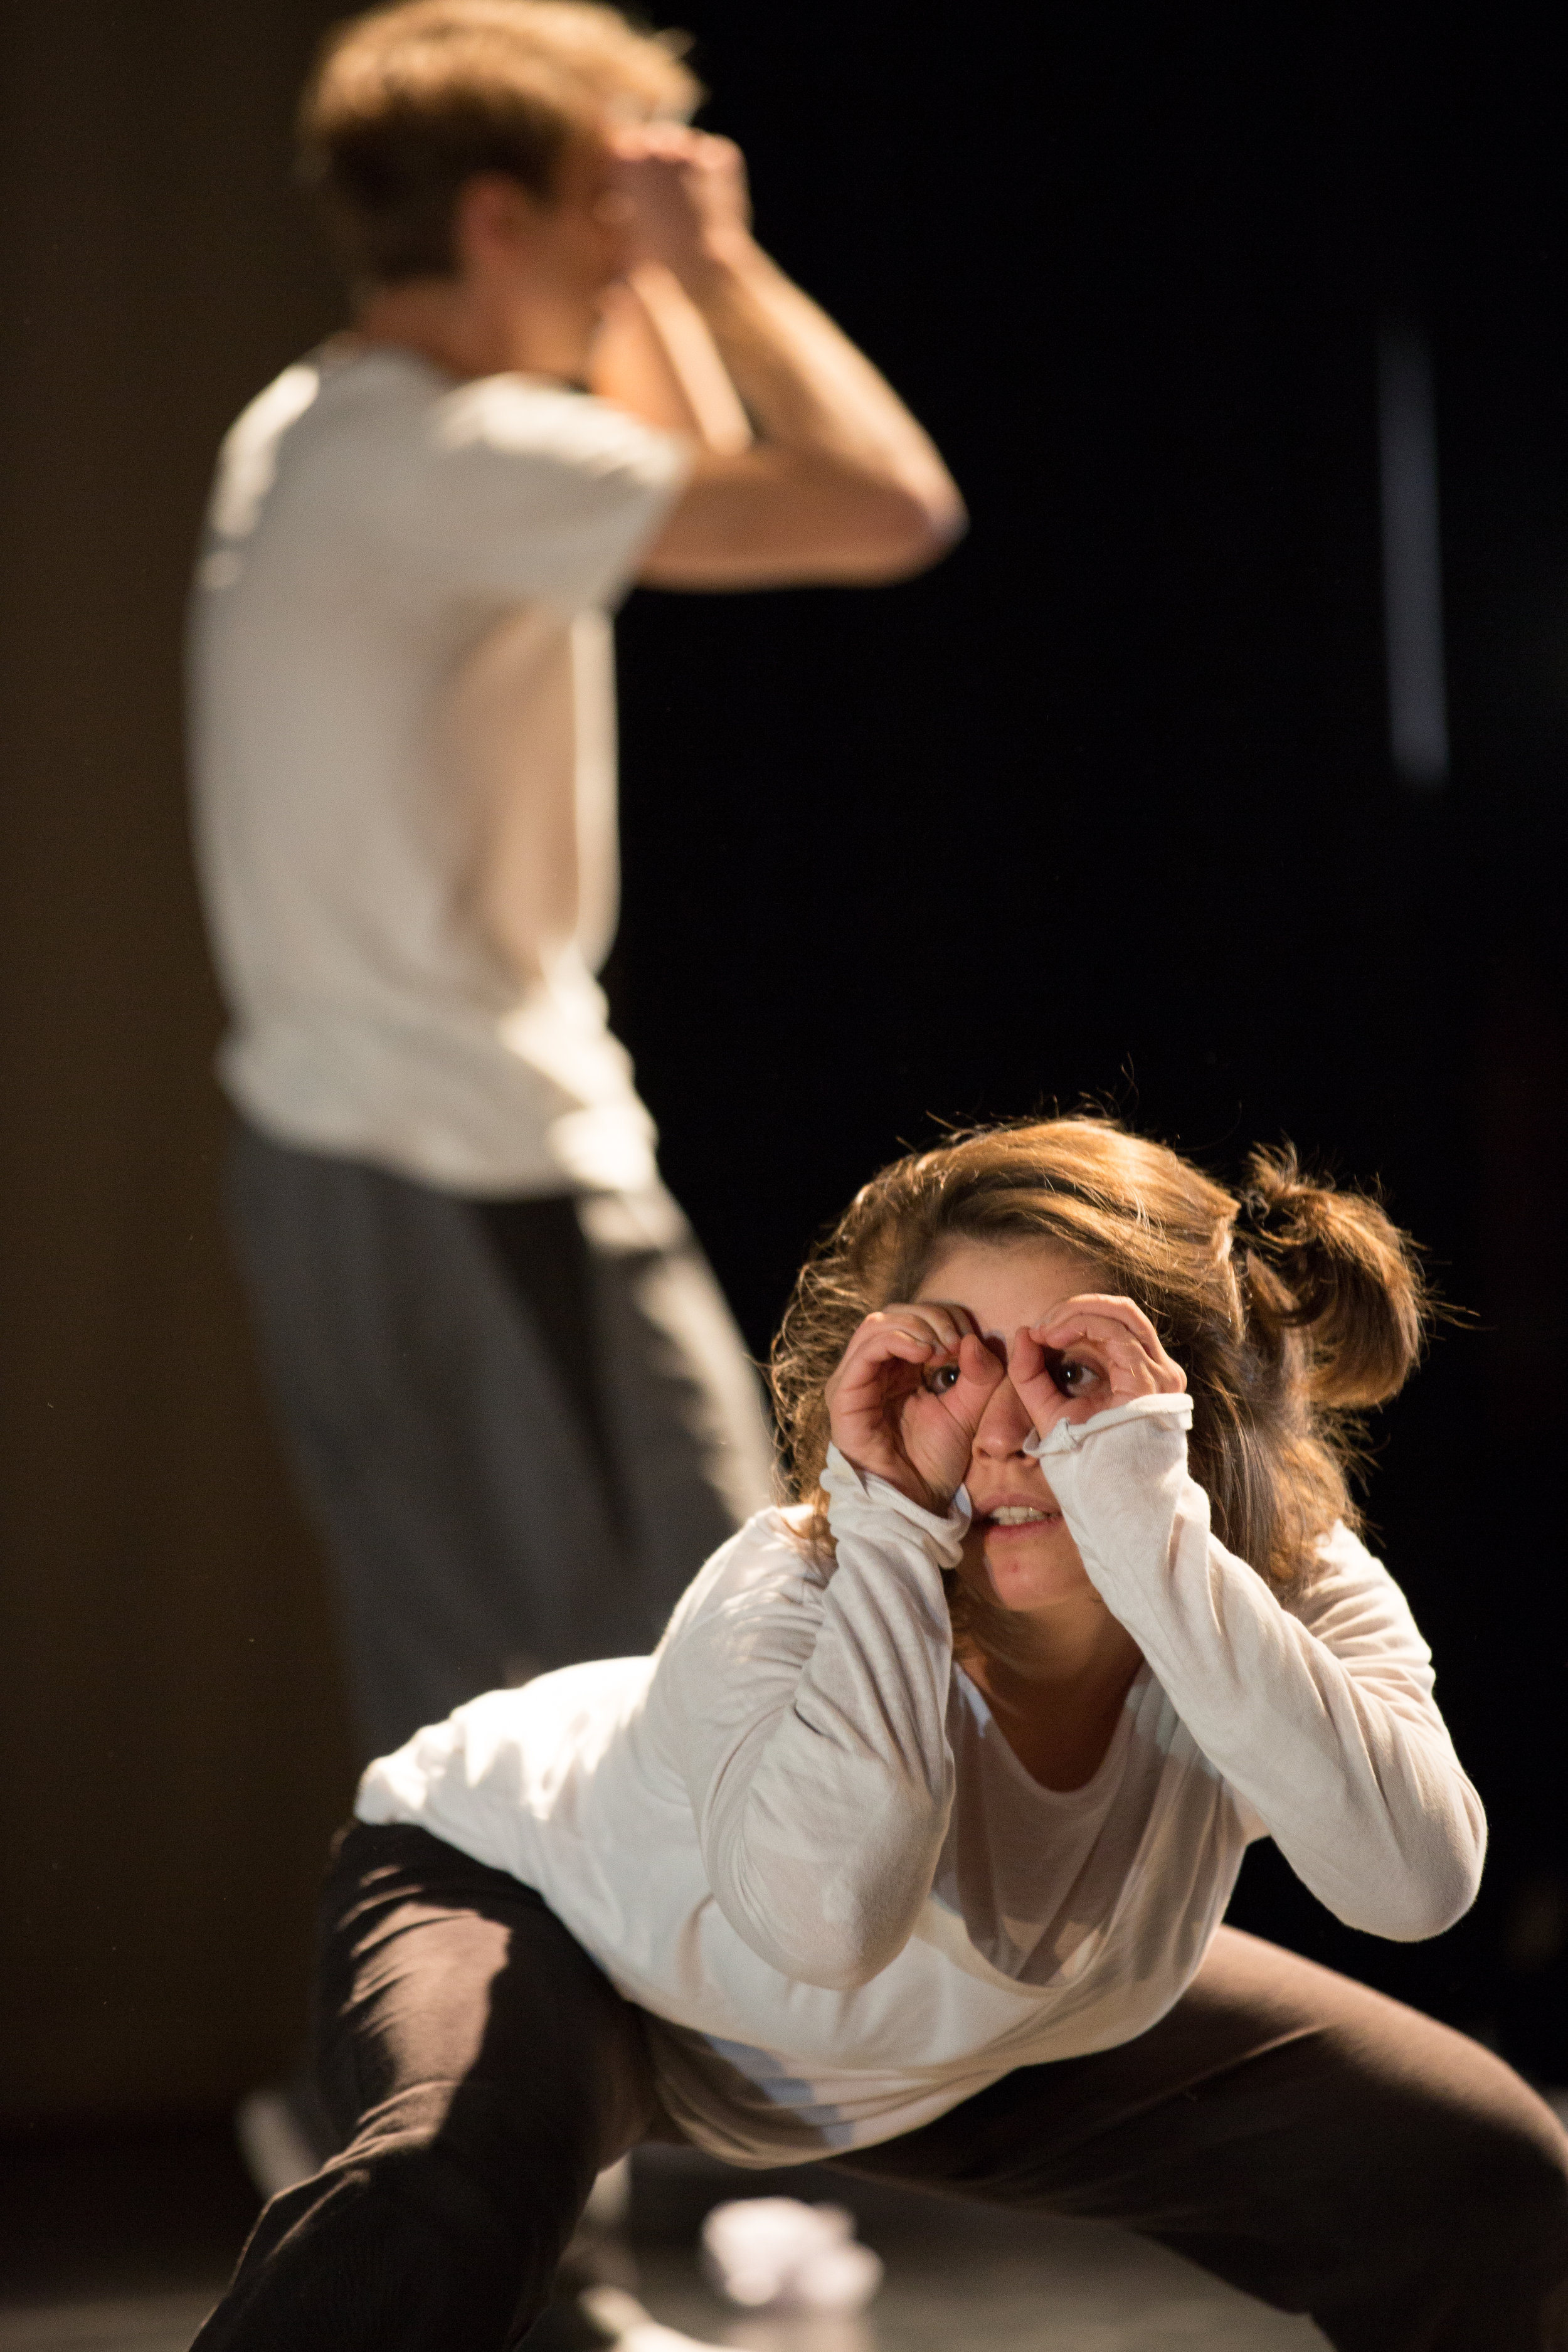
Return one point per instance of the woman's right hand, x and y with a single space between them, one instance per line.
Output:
907 1398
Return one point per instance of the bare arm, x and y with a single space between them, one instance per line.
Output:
654 356
841 484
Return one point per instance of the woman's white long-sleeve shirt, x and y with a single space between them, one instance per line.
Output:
796 1838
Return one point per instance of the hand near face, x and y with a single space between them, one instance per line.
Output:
686 192
1090 1354
908 1397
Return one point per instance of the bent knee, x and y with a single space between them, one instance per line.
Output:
461 2155
1499 2174
1520 2175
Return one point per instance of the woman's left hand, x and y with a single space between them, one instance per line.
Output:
1091 1352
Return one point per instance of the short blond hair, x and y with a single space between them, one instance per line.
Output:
408 102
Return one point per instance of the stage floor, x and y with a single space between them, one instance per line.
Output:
122 2244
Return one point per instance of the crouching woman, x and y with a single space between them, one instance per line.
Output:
910 1847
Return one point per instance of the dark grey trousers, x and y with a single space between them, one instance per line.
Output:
1322 2147
522 1427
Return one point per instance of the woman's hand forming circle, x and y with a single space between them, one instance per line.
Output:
908 1396
1091 1353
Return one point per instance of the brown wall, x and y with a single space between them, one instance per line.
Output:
173 1750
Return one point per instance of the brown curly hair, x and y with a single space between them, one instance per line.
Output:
1290 1308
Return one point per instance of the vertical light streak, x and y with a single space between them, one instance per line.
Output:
1412 559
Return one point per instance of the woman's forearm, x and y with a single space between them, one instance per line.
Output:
1327 1729
815 1749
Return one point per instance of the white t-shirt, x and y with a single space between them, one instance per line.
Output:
796 1838
403 738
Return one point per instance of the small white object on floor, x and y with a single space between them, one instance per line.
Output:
773 2254
622 2316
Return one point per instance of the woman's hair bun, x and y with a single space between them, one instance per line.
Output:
1331 1266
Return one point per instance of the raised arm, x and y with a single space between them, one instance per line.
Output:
808 1720
655 355
810 1712
840 483
1323 1722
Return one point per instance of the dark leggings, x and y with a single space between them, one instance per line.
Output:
1312 2142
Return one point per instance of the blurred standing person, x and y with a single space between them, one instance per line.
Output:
512 1393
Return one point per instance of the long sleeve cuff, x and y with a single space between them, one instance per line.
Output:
1329 1739
863 1504
1168 1411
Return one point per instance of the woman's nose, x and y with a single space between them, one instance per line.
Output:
1003 1424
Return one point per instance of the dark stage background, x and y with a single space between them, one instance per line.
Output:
1103 806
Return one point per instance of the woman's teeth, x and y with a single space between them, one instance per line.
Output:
1019 1515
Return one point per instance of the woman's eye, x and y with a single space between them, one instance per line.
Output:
1074 1378
943 1377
